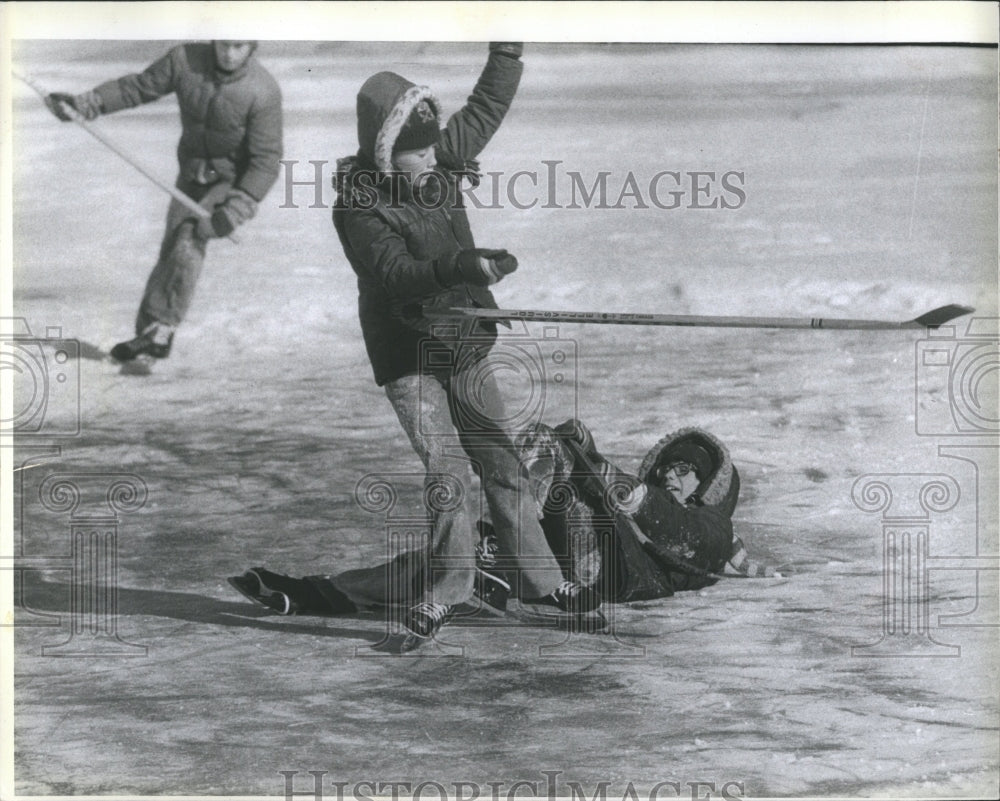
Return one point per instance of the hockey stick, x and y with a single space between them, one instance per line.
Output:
74 115
932 319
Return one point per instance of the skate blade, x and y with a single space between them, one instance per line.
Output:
589 623
140 365
400 643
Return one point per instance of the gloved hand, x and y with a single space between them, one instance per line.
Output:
602 483
227 216
596 477
479 266
87 105
574 430
511 49
589 469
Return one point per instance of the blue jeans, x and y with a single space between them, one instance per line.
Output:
452 426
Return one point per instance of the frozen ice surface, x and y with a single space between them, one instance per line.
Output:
870 181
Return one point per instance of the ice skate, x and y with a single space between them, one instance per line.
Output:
154 342
570 605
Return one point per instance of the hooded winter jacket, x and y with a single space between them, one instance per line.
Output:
696 536
231 122
396 242
699 533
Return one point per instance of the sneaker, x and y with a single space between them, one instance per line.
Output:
254 585
570 597
425 619
155 340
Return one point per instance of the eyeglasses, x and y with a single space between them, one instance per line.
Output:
680 469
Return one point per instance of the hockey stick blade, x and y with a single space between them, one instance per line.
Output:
938 317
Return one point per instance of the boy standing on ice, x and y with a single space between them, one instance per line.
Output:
229 154
401 221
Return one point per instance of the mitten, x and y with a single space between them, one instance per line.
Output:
236 209
478 266
575 431
510 49
598 478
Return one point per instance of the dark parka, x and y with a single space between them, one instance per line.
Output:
698 535
232 128
398 244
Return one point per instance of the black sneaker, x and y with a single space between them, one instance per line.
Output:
254 585
425 619
154 341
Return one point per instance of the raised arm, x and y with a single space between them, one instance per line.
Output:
469 129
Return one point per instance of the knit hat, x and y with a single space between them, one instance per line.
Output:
693 454
421 129
391 107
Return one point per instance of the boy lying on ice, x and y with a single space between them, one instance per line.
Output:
634 537
598 520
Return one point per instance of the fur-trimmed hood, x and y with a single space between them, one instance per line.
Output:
384 105
721 487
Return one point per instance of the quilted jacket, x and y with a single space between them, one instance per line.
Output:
231 122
